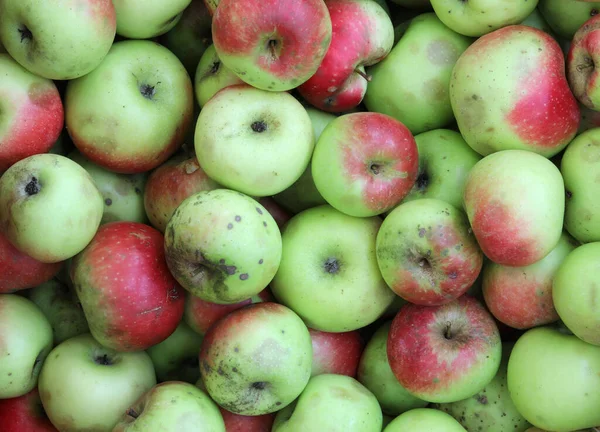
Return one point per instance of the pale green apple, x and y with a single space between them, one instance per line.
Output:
566 16
26 337
85 386
411 84
424 419
145 19
255 141
328 272
537 20
375 374
333 403
172 406
211 75
50 207
553 379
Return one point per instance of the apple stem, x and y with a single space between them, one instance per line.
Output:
132 413
448 331
364 75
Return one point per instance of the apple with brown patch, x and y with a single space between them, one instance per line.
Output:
24 413
584 54
335 353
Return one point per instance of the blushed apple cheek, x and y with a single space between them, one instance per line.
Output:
103 13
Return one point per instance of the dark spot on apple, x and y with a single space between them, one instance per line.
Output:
229 226
221 261
206 367
103 360
259 126
33 187
238 218
264 223
108 201
328 101
220 371
259 385
424 263
422 232
236 349
234 369
422 180
138 191
10 374
148 91
475 97
331 265
25 33
259 210
215 67
482 399
260 261
569 194
244 276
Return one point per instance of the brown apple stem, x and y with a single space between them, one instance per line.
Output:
448 331
588 64
364 75
132 413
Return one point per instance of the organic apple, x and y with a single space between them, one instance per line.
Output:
581 59
145 20
211 75
50 207
240 423
24 413
280 43
131 113
335 353
424 419
567 16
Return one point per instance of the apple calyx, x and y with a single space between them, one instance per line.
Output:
25 33
33 187
148 91
259 385
274 47
103 359
259 126
132 413
331 265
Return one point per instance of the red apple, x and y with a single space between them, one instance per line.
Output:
24 414
130 299
336 353
241 423
582 58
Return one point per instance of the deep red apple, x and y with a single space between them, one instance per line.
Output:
241 423
336 353
24 414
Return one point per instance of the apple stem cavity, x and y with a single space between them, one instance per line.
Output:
332 266
33 187
259 385
25 33
424 263
366 76
588 63
103 360
376 168
215 67
259 126
132 413
274 48
422 180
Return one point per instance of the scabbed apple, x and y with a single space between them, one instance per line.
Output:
239 423
335 353
147 19
515 203
24 413
424 419
364 163
257 359
130 299
279 46
50 207
211 75
340 82
501 101
567 16
131 113
444 353
582 57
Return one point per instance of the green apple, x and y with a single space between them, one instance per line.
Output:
335 403
59 40
211 75
26 337
375 374
567 16
255 141
553 380
411 83
537 20
85 386
328 272
147 19
50 207
172 406
424 419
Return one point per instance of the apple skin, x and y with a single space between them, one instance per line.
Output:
335 353
147 19
211 75
515 200
339 84
280 45
26 337
364 163
521 297
501 101
583 54
567 16
336 403
32 113
62 40
50 207
257 359
444 353
240 423
142 82
80 373
552 379
130 299
280 214
24 413
424 419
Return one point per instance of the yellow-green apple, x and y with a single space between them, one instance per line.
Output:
335 353
171 183
130 299
583 55
58 40
567 16
50 207
240 423
26 337
579 169
331 402
444 353
363 34
257 359
427 253
269 132
20 271
31 110
521 297
328 273
364 163
147 19
131 113
374 373
229 253
172 406
279 46
501 101
412 83
424 419
211 75
80 373
24 413
553 379
515 203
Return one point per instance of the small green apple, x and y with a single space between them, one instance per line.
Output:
424 419
567 16
147 19
211 75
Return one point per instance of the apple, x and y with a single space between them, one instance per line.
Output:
211 75
32 113
26 337
375 374
501 101
131 113
364 163
240 423
335 353
567 16
50 207
172 406
231 251
444 353
328 273
537 20
340 82
85 386
280 214
412 83
514 200
145 20
582 56
424 419
269 133
257 359
280 43
24 413
552 380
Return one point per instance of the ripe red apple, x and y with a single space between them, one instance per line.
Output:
582 58
241 423
24 414
130 299
336 353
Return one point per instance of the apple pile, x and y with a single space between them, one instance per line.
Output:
299 215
